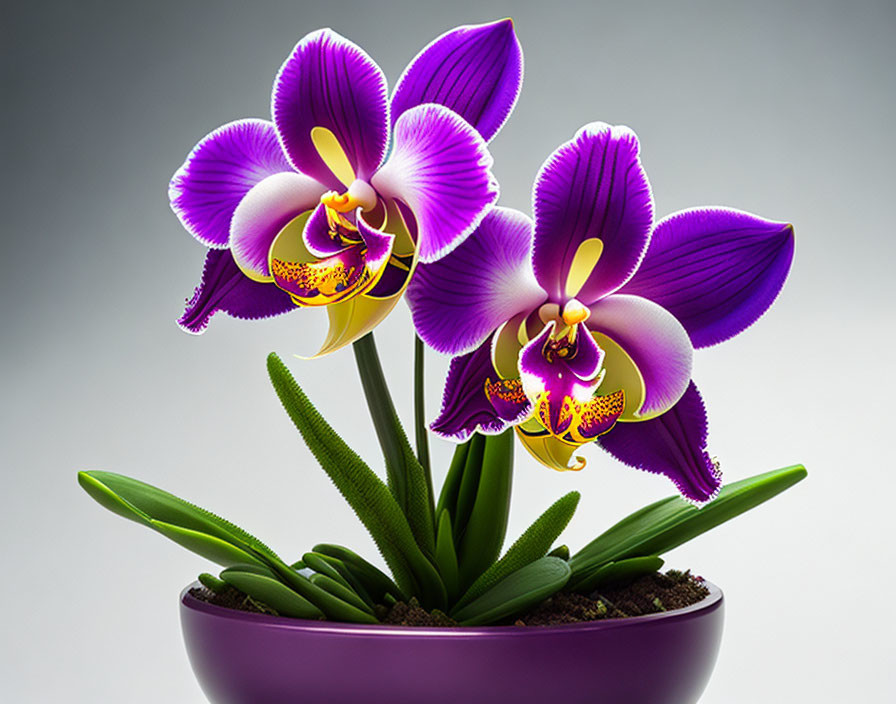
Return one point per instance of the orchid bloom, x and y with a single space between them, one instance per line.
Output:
333 203
582 325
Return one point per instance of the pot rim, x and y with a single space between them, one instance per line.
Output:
188 601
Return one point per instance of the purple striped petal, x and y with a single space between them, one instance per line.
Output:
263 213
441 169
593 213
476 70
219 171
225 288
715 269
475 398
318 235
460 299
328 82
673 444
648 353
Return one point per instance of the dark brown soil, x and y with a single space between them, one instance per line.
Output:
648 595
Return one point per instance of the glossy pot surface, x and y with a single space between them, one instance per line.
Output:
245 658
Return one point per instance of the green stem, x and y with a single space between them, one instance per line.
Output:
420 414
382 411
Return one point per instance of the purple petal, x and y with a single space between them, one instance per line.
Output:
328 82
466 406
263 213
219 172
460 299
441 169
592 188
673 444
225 288
648 353
476 70
715 269
318 235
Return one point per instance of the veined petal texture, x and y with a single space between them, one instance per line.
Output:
476 70
715 269
459 300
219 171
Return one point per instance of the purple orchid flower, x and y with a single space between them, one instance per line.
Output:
333 203
586 320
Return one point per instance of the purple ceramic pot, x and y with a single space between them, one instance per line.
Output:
244 658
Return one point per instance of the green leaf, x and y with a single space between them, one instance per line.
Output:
670 522
420 427
348 576
375 581
446 557
318 563
207 546
212 583
530 546
483 537
615 573
334 608
272 592
469 484
409 481
451 485
365 492
144 504
561 551
516 593
339 590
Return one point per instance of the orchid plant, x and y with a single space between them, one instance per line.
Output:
574 329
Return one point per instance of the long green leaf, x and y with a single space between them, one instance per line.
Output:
615 572
516 593
469 485
333 607
365 492
670 522
408 480
341 591
347 577
530 546
451 485
208 546
421 431
484 535
375 581
446 557
319 563
273 593
144 503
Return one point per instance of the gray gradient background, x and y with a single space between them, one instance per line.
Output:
784 109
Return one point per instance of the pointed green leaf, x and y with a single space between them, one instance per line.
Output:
144 504
207 546
516 593
483 537
615 573
333 607
365 492
530 546
469 484
273 593
668 523
348 577
339 590
375 581
451 485
446 557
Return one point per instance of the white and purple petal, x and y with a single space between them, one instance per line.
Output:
265 210
593 213
331 84
476 70
224 288
468 407
715 269
673 444
441 169
457 301
219 172
648 353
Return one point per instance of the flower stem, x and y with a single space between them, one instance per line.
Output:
420 411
